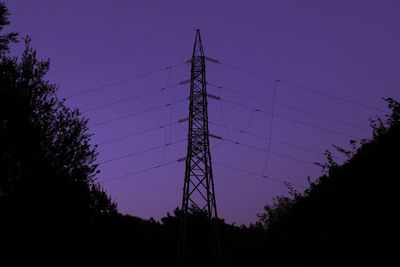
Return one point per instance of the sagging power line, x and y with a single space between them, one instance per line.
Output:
138 113
296 85
108 85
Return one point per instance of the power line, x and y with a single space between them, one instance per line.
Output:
268 151
140 171
170 110
132 97
288 106
221 112
253 114
216 163
137 113
273 139
138 133
229 139
170 123
301 87
125 80
217 145
257 174
307 59
290 119
92 60
141 152
270 131
164 153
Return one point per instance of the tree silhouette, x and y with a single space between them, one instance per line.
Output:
46 159
47 164
6 38
345 217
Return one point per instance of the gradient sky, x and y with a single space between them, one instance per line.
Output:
348 49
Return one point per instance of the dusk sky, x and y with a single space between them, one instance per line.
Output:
326 65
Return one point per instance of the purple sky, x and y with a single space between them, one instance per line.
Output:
344 48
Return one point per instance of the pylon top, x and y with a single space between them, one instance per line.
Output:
198 50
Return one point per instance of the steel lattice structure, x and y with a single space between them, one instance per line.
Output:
198 190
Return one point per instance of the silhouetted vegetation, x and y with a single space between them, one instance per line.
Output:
53 212
345 217
47 165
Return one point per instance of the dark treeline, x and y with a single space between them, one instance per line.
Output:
347 216
52 211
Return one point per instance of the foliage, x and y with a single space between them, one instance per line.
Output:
340 216
6 38
47 162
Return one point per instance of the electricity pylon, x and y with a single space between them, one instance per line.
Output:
198 189
199 243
